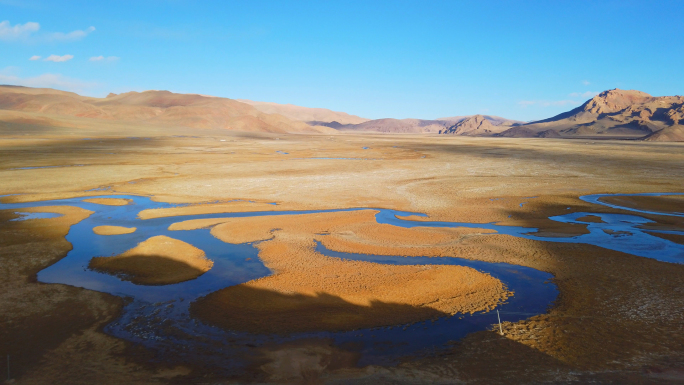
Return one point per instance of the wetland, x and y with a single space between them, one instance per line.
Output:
272 276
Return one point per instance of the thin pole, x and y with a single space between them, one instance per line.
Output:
8 372
499 317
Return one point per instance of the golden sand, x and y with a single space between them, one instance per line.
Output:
311 292
108 201
113 230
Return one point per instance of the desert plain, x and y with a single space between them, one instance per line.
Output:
618 318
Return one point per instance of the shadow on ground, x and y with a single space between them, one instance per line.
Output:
253 310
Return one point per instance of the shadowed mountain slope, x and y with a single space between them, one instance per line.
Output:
152 107
614 113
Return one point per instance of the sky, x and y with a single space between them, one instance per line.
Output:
523 60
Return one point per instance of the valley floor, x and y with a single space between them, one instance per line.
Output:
618 317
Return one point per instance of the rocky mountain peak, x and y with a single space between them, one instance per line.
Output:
615 100
473 125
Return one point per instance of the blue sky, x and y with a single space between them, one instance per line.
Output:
522 60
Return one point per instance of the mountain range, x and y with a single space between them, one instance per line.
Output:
616 114
162 108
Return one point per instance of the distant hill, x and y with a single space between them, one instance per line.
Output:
151 107
474 125
615 113
396 126
494 120
619 114
313 116
479 125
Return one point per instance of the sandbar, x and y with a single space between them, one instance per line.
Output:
108 201
159 260
591 219
312 292
113 230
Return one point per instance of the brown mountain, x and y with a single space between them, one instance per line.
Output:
667 134
614 113
396 126
474 125
313 116
477 125
494 120
150 107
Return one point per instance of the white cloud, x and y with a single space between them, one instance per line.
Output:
104 59
586 82
547 103
57 58
27 33
34 57
18 31
71 36
7 76
588 94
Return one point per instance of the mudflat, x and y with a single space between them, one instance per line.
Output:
615 319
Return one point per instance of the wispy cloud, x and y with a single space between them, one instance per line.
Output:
588 94
586 82
8 76
29 32
71 36
34 57
18 31
546 103
104 59
58 59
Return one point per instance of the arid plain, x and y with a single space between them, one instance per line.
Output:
617 318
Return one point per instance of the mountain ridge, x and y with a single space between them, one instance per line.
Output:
613 113
152 107
309 115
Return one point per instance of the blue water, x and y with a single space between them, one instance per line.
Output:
26 216
157 316
596 200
